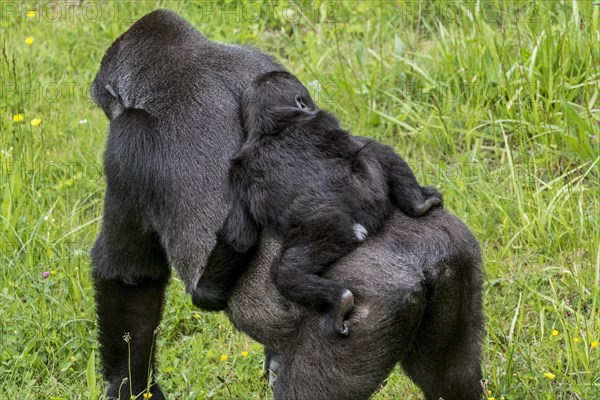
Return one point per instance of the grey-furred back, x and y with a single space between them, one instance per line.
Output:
417 286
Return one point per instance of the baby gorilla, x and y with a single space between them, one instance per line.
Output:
318 189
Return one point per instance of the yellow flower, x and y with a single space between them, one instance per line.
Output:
147 395
36 122
554 332
489 392
30 14
18 118
595 344
224 357
53 272
29 41
244 353
491 398
73 359
576 340
549 375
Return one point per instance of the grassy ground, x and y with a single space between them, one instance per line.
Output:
497 103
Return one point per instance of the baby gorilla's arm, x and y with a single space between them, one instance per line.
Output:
236 243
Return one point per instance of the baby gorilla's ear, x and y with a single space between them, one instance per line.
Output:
305 104
262 117
299 103
274 102
291 110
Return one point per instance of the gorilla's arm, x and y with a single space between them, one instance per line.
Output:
229 258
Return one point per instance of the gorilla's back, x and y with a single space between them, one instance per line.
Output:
162 63
416 282
189 89
406 252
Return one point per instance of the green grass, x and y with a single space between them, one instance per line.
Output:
497 105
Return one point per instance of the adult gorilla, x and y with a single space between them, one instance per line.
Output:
172 98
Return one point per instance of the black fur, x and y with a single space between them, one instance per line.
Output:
303 180
417 285
173 100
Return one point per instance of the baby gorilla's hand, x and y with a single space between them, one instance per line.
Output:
334 324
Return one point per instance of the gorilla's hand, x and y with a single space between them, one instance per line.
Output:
210 298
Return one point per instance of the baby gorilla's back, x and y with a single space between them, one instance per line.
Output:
303 185
308 175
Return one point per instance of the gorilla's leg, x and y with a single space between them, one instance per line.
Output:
445 360
409 196
297 276
128 313
130 275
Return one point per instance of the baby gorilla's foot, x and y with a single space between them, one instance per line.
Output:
432 197
210 299
334 324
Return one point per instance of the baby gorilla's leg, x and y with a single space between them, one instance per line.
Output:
431 198
296 275
410 197
305 257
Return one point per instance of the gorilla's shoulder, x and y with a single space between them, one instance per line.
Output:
163 24
162 56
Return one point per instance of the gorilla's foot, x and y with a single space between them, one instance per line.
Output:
433 199
334 323
426 206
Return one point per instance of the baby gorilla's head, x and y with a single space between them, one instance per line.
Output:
273 102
